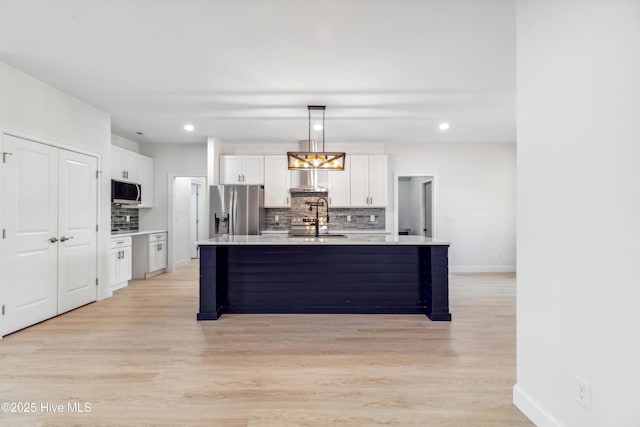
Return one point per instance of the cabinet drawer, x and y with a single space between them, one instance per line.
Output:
154 237
119 242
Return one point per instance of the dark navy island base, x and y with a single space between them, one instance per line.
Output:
350 279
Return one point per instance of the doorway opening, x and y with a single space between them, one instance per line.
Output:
188 213
415 204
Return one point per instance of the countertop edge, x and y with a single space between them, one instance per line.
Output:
138 233
353 240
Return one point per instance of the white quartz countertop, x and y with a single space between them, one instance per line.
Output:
333 231
137 233
350 239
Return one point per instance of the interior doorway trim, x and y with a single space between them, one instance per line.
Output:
171 267
434 188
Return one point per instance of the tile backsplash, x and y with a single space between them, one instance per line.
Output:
360 217
119 222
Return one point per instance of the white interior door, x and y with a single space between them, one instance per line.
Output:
194 220
30 250
77 245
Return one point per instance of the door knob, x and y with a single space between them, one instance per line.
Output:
64 239
53 239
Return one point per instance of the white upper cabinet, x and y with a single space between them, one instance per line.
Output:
253 169
378 181
124 165
145 179
230 169
360 180
277 182
129 166
339 185
369 181
117 163
247 170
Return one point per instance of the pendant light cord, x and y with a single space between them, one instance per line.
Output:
323 132
309 140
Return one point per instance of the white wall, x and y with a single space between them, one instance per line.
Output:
33 109
476 199
121 141
282 148
180 159
578 211
476 194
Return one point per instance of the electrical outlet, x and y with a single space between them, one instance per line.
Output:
277 218
583 392
372 218
348 218
127 218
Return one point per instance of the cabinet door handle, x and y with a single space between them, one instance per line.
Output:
239 178
160 246
64 239
123 174
53 239
287 200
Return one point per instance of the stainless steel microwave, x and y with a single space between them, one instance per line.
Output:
125 193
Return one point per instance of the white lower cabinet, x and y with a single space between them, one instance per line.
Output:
120 262
150 252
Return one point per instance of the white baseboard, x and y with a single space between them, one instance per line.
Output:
482 268
183 262
532 409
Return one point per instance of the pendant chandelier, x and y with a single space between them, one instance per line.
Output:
316 160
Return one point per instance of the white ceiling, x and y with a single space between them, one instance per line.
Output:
245 70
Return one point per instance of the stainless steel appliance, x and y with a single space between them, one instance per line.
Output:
236 209
126 193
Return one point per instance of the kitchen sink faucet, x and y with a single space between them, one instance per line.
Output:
317 205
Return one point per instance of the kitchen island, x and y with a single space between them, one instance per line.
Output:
329 274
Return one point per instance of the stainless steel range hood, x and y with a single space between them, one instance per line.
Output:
309 181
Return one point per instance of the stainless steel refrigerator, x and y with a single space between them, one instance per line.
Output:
236 209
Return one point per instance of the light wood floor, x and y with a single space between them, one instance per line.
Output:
141 358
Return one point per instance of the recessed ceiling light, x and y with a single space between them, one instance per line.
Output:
189 128
444 126
140 133
317 126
